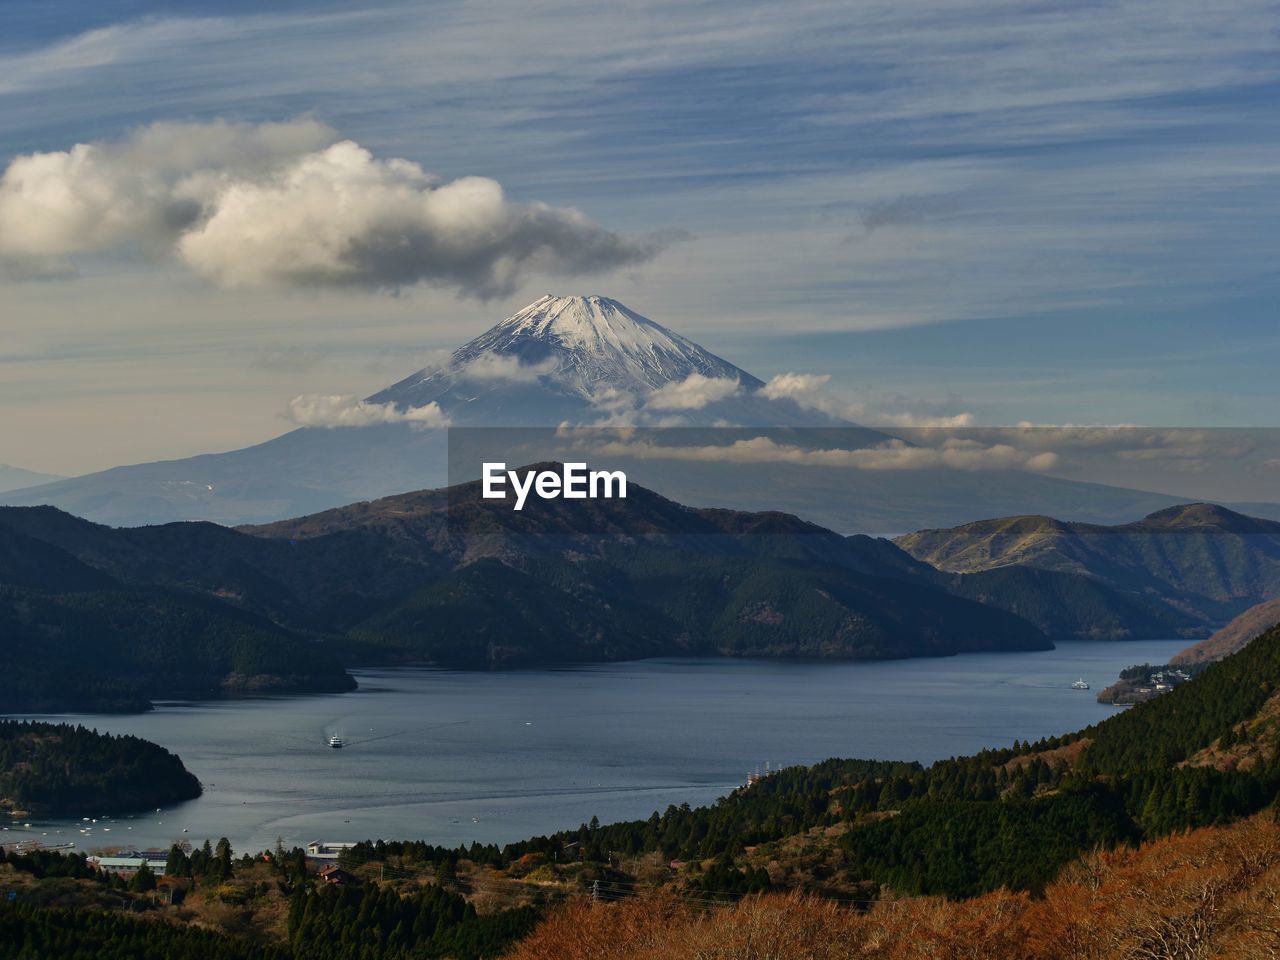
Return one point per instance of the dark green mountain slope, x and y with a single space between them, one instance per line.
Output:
28 562
52 769
1066 605
116 649
1071 605
444 576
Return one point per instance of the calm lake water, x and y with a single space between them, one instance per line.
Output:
452 757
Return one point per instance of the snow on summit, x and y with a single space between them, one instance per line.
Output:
610 339
578 347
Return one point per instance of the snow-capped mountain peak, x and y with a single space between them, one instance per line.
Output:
606 340
573 348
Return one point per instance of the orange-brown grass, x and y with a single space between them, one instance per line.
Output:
1212 893
1058 756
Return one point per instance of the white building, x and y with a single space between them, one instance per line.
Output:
326 849
127 866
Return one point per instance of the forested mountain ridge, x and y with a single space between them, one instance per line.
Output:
1062 603
442 576
76 637
115 650
1206 561
51 769
108 618
1208 893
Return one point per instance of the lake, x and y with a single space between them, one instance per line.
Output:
452 757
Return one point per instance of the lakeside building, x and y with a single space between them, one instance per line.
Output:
327 849
127 866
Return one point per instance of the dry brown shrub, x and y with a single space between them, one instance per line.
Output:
1210 894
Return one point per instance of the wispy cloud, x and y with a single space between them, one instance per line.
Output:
952 453
840 206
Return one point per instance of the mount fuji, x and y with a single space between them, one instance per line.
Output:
582 361
578 359
588 360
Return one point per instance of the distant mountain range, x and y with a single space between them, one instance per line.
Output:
15 478
441 576
573 360
1205 561
115 616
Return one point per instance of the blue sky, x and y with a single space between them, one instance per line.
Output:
1022 210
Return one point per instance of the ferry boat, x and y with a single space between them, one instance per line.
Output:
336 742
1080 685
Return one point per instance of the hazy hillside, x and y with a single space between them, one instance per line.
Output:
1074 605
117 649
15 478
1060 604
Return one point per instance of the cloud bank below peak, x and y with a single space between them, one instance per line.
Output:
293 205
348 410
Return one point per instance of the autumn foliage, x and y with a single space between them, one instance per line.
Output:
1209 893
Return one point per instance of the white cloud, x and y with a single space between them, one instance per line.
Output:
692 393
495 366
804 388
283 204
809 390
348 410
142 192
